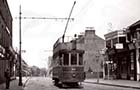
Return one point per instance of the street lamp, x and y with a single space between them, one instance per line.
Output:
102 52
97 60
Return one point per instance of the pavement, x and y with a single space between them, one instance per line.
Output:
14 84
117 83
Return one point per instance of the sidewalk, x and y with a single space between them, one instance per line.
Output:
119 83
14 84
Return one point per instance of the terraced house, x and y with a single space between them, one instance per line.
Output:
92 45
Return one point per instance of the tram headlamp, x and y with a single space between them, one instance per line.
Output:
73 69
73 75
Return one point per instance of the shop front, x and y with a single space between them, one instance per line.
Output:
118 64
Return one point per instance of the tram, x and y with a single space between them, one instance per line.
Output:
68 65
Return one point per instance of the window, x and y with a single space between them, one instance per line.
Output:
66 59
80 59
115 40
122 39
108 44
73 59
128 37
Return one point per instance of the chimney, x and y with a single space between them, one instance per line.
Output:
90 31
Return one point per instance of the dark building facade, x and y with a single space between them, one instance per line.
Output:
123 53
117 64
133 38
6 49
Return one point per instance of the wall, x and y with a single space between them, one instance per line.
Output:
92 45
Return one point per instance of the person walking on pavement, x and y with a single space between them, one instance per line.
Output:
7 78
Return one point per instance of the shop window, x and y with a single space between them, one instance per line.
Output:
2 26
132 60
132 66
122 39
128 37
108 44
134 35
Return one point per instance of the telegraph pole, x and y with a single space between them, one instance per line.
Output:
20 70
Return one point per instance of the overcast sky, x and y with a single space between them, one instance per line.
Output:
38 36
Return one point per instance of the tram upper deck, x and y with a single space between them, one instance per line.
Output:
68 44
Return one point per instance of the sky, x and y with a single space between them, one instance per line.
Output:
38 36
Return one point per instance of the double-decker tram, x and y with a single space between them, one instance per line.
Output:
68 65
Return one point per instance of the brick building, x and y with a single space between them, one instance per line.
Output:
133 38
6 49
118 55
92 45
124 62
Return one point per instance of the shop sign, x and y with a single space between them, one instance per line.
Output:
119 46
131 46
138 43
107 62
2 50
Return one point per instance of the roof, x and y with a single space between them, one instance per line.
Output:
135 24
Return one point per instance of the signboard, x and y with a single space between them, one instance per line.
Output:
2 50
131 46
138 44
119 46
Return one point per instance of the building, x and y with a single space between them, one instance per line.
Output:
118 63
6 49
133 38
92 45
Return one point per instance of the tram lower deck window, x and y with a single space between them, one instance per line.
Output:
80 59
73 59
66 59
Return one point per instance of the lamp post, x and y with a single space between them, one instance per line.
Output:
97 60
102 52
20 70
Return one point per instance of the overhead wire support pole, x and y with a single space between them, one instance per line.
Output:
68 21
20 42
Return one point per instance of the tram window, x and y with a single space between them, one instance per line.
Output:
66 59
73 59
80 59
60 62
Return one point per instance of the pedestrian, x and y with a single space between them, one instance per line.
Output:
7 78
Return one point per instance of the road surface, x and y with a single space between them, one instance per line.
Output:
45 83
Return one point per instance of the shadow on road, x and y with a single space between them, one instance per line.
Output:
69 86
